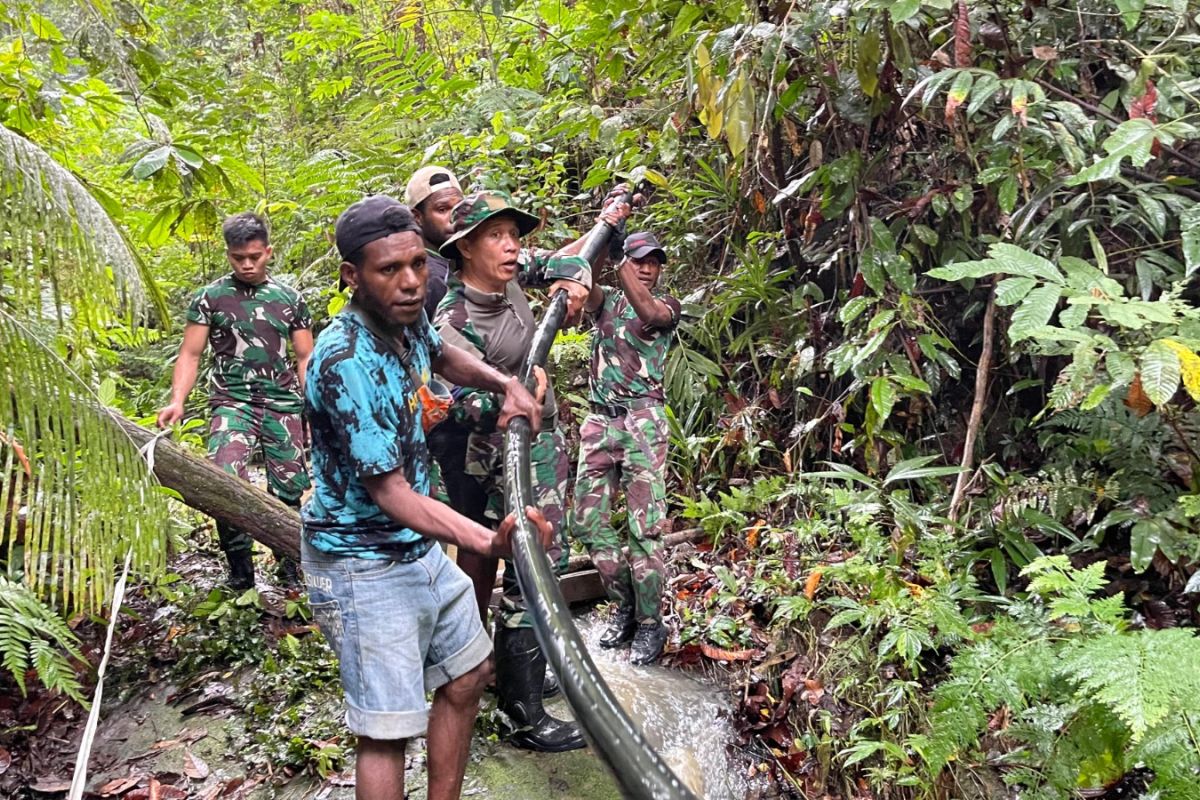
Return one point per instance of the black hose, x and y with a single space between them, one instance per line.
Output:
639 770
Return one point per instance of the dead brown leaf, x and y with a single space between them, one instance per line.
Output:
194 766
50 785
118 786
813 581
5 760
1136 399
814 690
720 654
1045 53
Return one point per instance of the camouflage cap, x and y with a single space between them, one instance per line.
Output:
642 244
474 209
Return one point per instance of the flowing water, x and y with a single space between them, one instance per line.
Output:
684 719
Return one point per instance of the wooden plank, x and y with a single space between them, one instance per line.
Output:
577 587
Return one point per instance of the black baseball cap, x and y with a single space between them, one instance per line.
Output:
372 218
640 245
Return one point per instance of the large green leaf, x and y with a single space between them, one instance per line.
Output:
151 163
1132 139
1160 372
1034 312
883 398
1011 291
1189 228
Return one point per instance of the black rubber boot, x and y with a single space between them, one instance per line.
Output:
620 629
648 643
241 570
550 687
520 680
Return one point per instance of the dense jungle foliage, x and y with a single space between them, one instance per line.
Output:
934 398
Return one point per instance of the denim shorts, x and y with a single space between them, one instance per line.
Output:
399 630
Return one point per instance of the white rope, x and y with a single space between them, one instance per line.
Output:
89 731
79 779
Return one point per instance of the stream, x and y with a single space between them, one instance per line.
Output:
682 717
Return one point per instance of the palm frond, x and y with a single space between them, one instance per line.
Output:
63 255
86 494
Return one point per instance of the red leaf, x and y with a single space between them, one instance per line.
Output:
962 39
1143 107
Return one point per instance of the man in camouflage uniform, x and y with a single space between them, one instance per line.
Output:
248 318
623 442
485 311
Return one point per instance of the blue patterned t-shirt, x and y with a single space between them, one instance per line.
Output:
364 416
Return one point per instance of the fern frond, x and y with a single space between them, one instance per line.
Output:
33 635
1142 677
62 246
89 494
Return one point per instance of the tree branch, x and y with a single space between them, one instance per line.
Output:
981 383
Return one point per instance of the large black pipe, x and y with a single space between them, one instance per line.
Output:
638 769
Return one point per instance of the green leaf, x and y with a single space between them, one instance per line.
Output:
151 163
683 22
1132 139
1008 194
1018 261
44 29
914 468
1011 291
853 308
985 88
107 393
883 398
904 9
1189 227
1160 372
1034 312
739 115
867 65
1131 12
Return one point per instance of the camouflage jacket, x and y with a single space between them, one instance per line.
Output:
248 329
498 329
628 356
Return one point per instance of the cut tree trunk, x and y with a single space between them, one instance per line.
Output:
210 490
207 488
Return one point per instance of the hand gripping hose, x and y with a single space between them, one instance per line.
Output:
639 770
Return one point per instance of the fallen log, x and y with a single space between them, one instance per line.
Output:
210 490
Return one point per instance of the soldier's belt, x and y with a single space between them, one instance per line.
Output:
624 408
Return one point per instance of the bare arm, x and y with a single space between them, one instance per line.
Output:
195 339
393 493
650 309
302 343
463 369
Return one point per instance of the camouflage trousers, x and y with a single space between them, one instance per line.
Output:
235 433
551 470
629 452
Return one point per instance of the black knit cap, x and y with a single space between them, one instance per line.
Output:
372 218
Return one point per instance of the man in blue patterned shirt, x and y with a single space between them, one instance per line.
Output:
400 616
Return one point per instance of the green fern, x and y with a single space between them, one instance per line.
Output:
33 636
1143 677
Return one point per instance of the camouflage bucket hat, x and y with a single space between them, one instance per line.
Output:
474 209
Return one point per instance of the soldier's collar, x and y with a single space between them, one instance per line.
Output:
483 298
